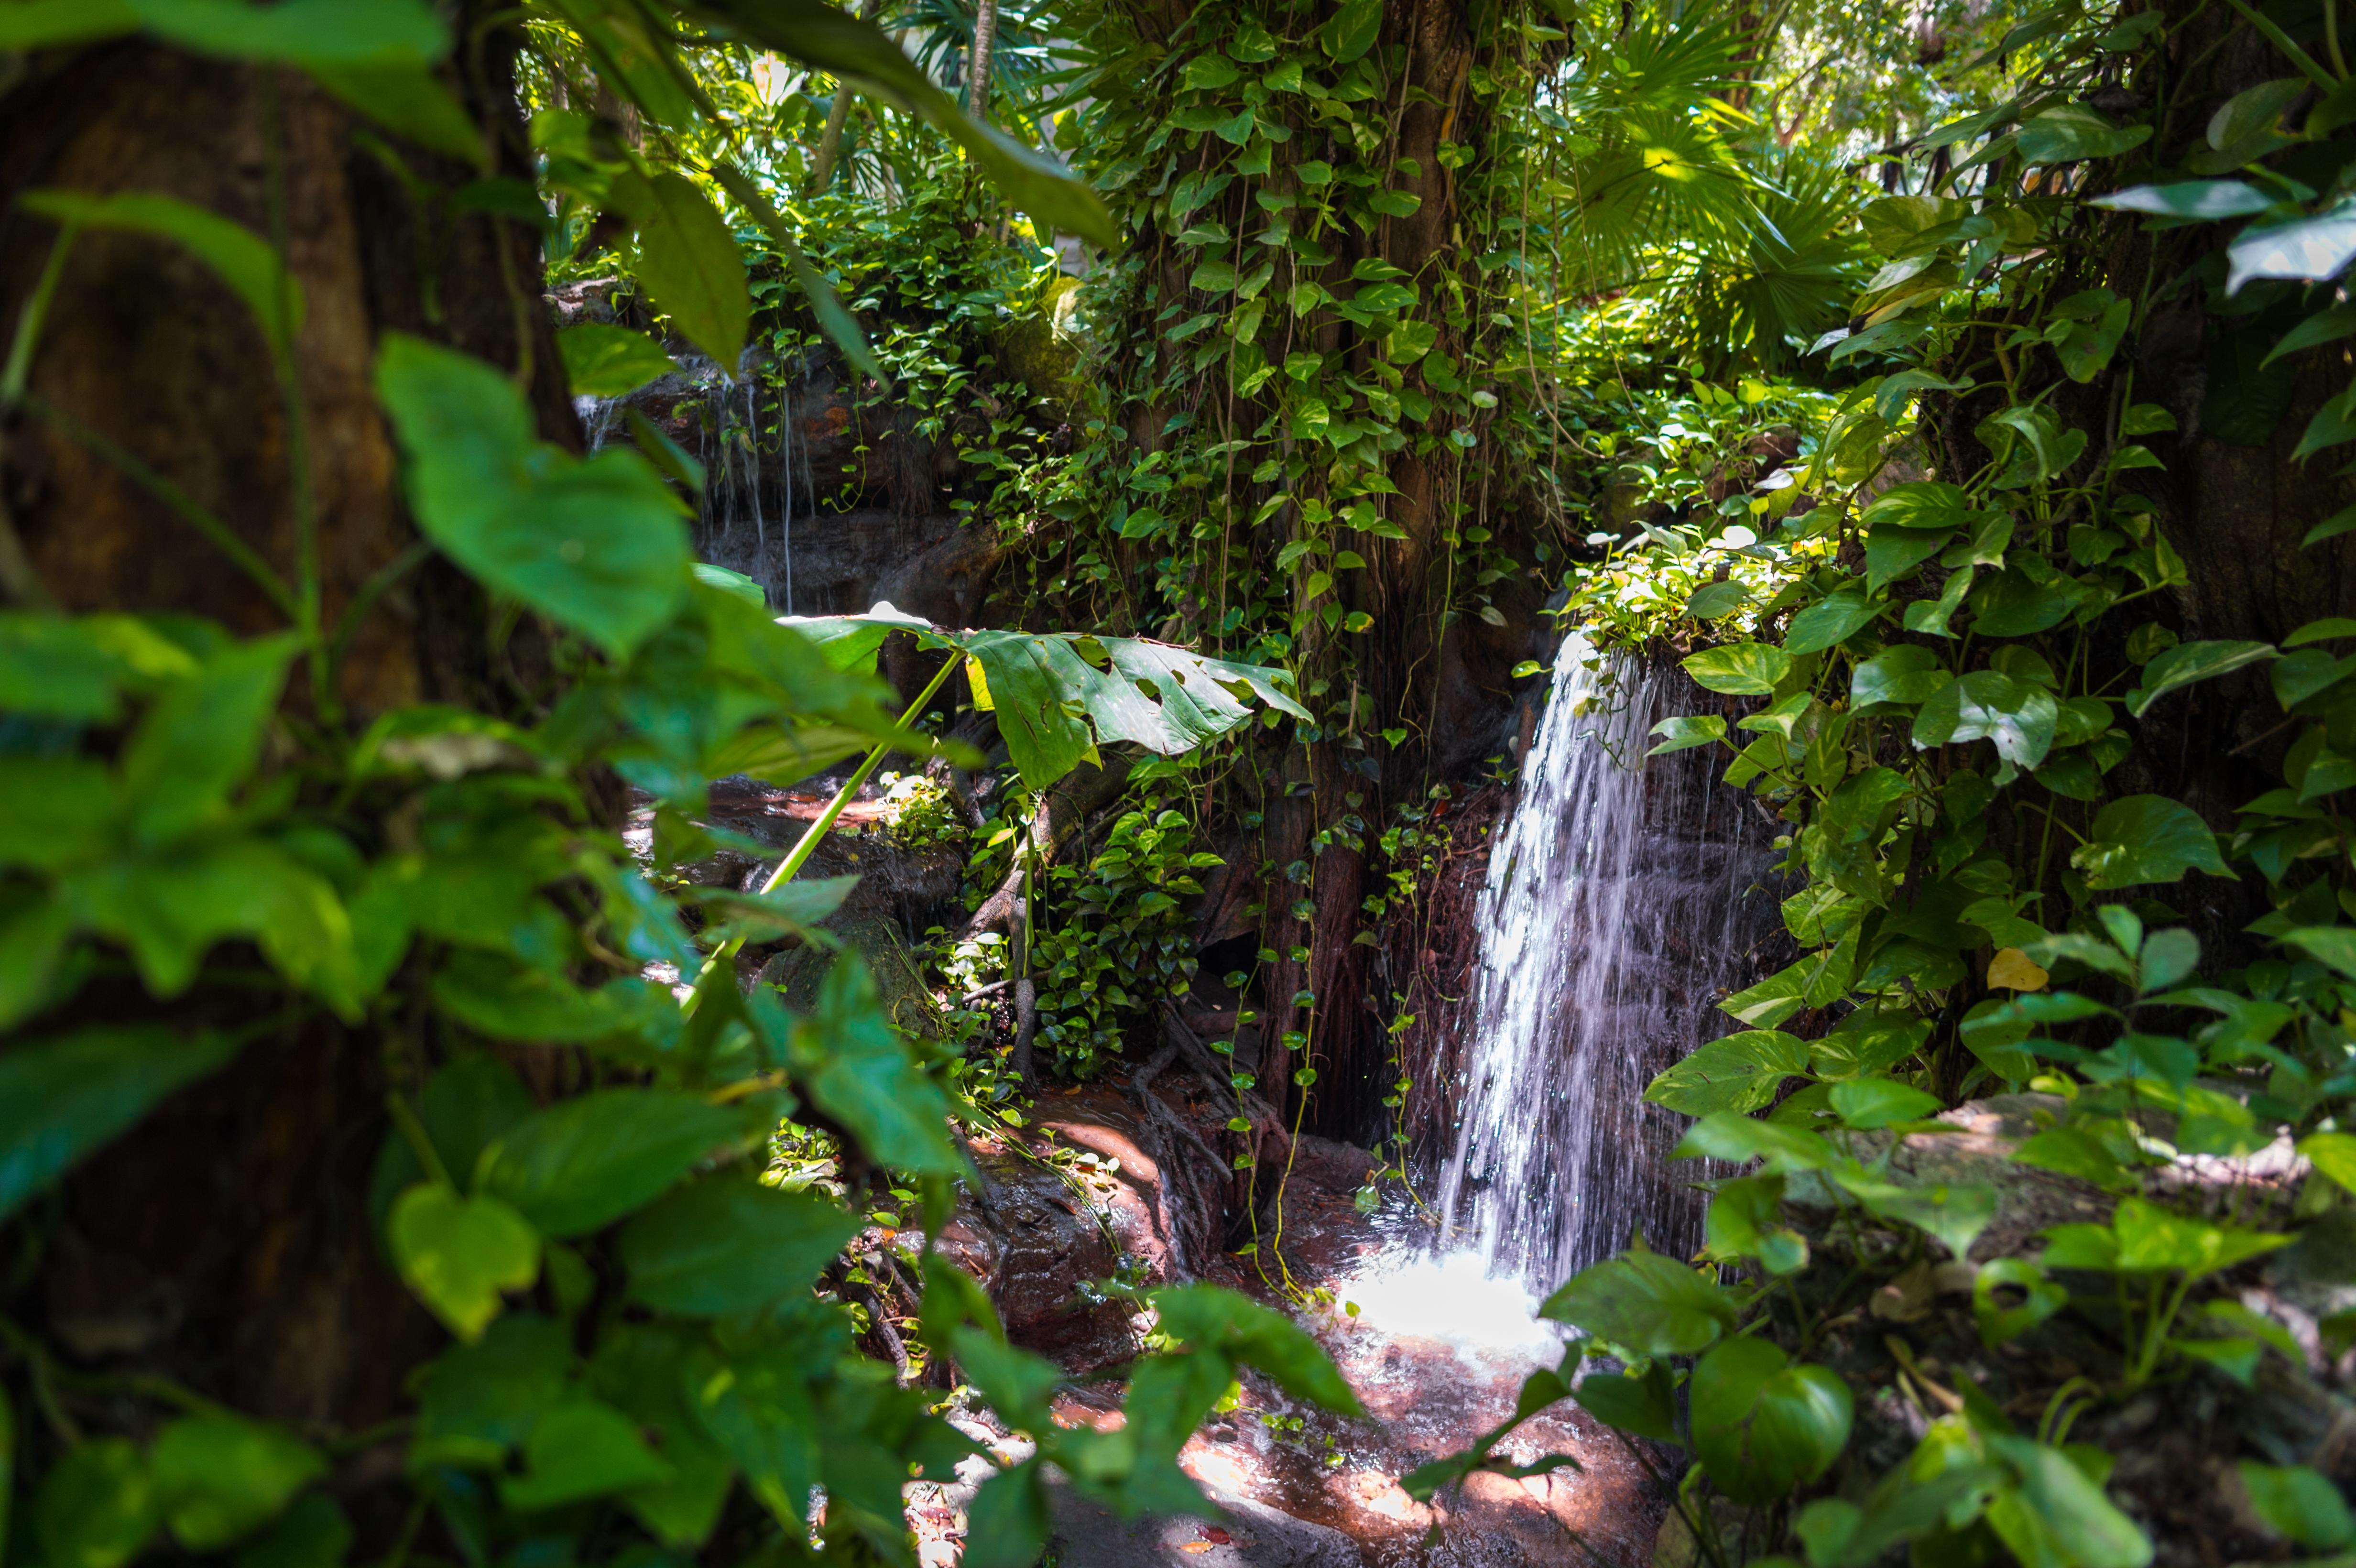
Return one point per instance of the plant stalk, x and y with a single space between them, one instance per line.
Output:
807 846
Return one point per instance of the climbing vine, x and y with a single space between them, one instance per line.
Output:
1950 633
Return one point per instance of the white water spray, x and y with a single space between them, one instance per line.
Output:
1622 899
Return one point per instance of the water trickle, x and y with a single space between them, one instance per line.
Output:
1622 899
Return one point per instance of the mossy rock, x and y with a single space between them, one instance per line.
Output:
1037 348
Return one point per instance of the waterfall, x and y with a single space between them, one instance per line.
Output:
1622 900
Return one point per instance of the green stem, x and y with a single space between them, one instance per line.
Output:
420 1142
808 844
2291 51
28 325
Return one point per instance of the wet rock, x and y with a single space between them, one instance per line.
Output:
1250 1535
1071 1199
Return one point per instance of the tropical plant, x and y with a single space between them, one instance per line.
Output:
427 906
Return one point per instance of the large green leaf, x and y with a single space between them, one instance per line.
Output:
407 99
1740 1072
645 1370
1867 1104
2146 838
727 1243
1242 1329
1351 31
1891 552
506 1000
170 908
760 1411
1955 1214
2057 1514
1644 1304
247 263
2012 604
1920 504
1832 620
301 32
606 361
460 1254
2073 132
1731 1136
864 55
1762 1425
587 1162
1645 1406
599 546
1057 695
2306 248
201 738
96 1507
2298 1503
579 1450
220 1476
61 1099
1746 1220
2187 663
1987 705
1904 675
57 812
688 263
1743 669
56 667
2152 1238
481 1399
860 1071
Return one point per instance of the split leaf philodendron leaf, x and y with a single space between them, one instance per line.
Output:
1058 695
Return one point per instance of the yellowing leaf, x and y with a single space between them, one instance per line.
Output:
458 1253
2016 970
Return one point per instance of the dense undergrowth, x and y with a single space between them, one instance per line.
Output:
1952 633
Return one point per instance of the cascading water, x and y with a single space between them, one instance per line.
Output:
1623 897
740 454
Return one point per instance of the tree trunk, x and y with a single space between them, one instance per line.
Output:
985 39
227 1243
1400 642
838 116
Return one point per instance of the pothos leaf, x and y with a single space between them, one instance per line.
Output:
598 545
